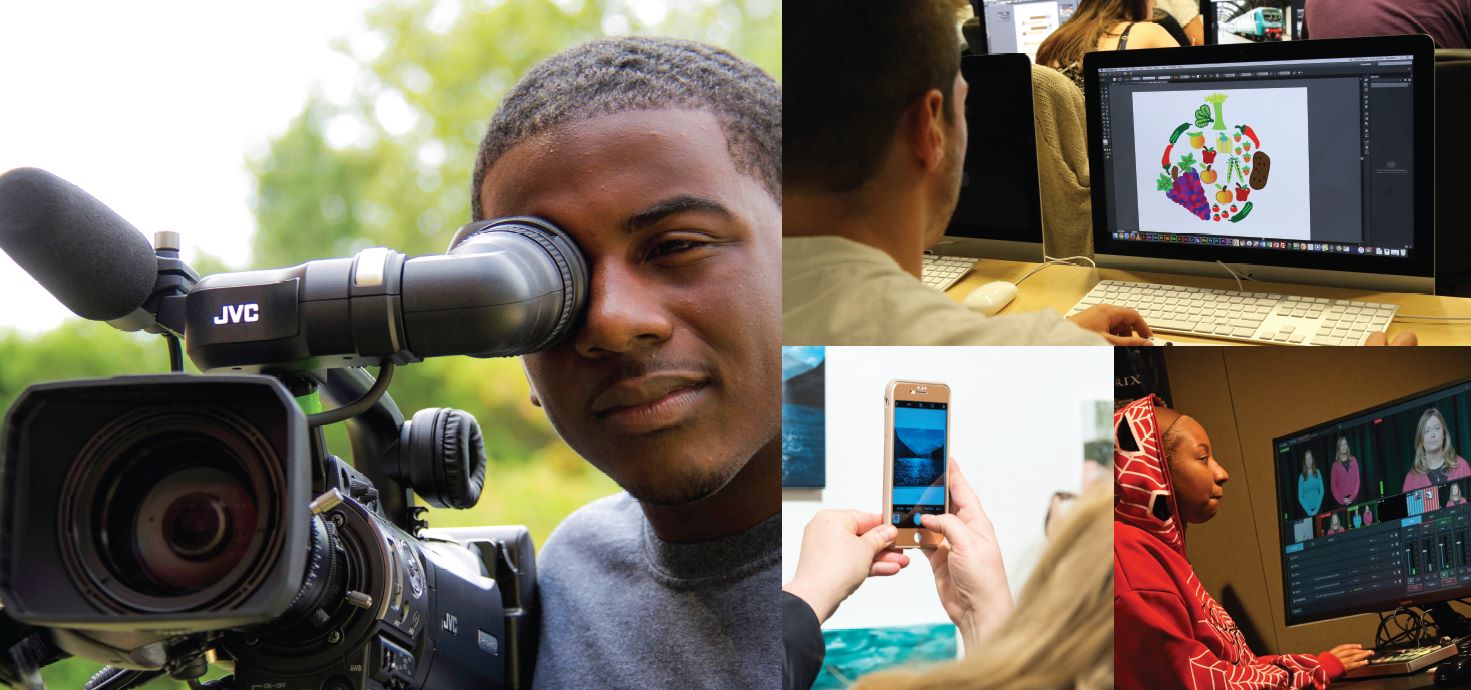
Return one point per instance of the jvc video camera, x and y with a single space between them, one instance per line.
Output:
163 523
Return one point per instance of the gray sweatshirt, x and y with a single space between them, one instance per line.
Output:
622 609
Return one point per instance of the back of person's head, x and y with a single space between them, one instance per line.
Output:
852 69
1061 633
1090 21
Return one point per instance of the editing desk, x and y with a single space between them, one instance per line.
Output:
1059 287
1414 681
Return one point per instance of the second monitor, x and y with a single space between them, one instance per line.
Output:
998 213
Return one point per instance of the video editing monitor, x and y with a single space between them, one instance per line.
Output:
998 214
1251 21
1020 26
1373 507
1306 162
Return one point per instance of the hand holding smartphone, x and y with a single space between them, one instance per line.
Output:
916 453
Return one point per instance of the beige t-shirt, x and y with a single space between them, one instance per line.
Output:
1182 10
839 292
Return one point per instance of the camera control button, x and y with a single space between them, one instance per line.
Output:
360 600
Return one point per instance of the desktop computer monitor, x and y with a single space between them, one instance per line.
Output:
1020 26
1303 162
1381 520
999 212
1251 21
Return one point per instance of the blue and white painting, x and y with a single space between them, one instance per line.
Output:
803 417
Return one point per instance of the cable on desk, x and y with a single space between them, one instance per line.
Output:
1049 261
1235 275
1412 632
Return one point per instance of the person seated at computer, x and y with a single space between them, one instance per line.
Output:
1169 632
1335 525
1436 461
1447 22
1344 477
1454 496
874 145
1102 25
1310 485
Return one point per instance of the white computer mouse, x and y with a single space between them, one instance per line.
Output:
991 297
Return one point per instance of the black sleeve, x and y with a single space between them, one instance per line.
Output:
802 649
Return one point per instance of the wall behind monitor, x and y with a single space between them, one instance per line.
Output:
1245 397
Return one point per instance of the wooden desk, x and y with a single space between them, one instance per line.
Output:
1059 287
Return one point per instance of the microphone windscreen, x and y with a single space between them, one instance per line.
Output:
81 251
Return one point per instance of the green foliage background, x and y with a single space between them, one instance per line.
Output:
410 192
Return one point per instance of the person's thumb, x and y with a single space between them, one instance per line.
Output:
952 527
881 537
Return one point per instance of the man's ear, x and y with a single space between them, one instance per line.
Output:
924 129
530 385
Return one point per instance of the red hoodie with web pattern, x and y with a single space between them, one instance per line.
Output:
1168 631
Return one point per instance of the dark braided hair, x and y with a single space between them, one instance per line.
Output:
614 75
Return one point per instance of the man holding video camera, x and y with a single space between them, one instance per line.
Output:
662 159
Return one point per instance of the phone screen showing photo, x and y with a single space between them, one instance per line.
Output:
919 460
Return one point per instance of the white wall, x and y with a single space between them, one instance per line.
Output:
1015 429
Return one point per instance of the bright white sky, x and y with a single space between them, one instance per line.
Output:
154 110
154 107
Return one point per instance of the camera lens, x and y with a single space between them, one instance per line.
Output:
180 515
195 525
173 511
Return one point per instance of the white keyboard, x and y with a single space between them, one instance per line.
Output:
940 272
1256 317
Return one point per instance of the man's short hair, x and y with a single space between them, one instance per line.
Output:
614 75
854 67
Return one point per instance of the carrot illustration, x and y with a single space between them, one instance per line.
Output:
1246 129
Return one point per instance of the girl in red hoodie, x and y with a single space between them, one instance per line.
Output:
1168 631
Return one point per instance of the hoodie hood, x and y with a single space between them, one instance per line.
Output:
1144 496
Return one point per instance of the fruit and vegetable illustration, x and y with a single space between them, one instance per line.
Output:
1208 155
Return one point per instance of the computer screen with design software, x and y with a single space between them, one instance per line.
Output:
1310 156
1373 507
1020 26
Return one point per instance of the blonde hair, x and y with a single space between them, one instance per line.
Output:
1061 633
1447 449
1341 455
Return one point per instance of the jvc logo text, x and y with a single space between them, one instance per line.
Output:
238 313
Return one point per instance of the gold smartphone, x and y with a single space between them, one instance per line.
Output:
916 457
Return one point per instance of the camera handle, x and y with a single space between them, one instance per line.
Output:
374 435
